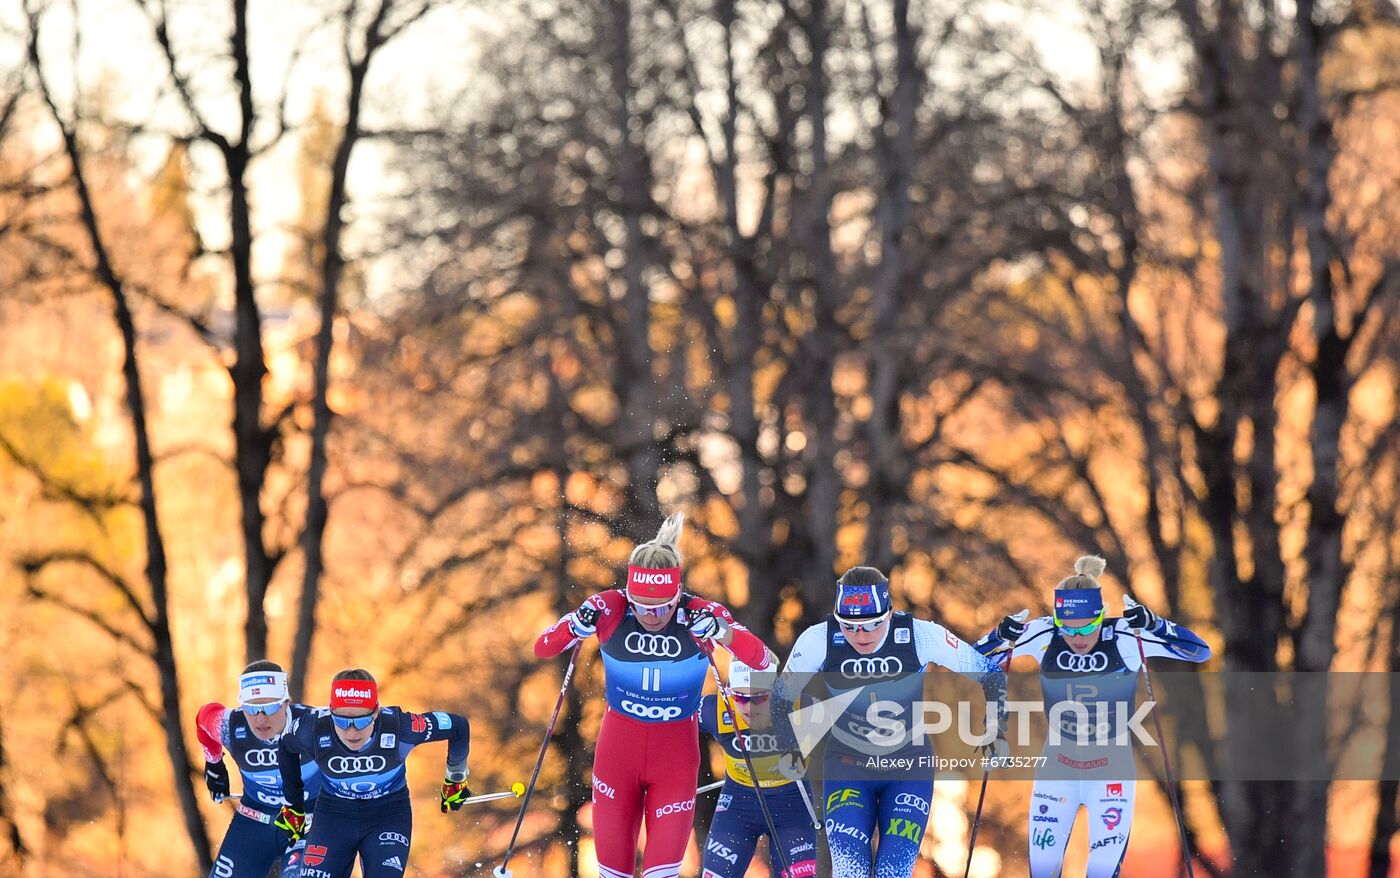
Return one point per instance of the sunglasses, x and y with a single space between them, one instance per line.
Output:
353 722
863 627
263 709
759 698
654 610
1082 629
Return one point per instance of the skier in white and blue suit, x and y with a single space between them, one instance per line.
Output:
1094 661
875 786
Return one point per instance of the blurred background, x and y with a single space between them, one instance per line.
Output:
376 332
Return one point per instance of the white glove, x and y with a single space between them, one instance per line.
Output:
707 626
583 622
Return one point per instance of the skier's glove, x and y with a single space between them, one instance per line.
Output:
1010 628
792 766
705 625
996 751
292 820
1139 616
583 622
216 779
452 794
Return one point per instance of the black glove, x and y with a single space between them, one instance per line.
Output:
1010 628
1139 616
216 779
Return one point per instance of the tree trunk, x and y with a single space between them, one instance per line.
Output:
888 486
331 268
163 652
634 378
822 343
252 442
12 836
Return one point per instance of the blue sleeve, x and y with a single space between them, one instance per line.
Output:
291 749
1174 640
437 725
709 721
990 644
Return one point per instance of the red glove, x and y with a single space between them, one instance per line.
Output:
452 793
292 820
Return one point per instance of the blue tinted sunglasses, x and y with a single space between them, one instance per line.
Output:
353 722
263 709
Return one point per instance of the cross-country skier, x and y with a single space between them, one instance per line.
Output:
655 639
250 733
738 823
874 784
1087 658
360 749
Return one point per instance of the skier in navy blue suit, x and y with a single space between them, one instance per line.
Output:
868 653
360 749
250 733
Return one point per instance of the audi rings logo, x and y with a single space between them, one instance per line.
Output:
758 743
260 758
355 764
1094 661
871 667
660 645
650 711
909 800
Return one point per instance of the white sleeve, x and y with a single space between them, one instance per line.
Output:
809 652
936 645
807 657
1036 639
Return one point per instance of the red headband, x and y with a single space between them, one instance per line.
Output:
649 582
354 693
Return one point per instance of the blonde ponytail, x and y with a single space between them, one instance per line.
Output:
664 550
1087 571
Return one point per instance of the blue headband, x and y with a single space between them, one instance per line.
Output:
1078 603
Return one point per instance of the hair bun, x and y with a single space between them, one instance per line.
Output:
1091 566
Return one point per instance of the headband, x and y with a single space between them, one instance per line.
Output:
648 582
1078 603
354 693
262 684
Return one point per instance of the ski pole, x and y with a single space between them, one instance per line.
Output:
1166 761
807 800
748 759
516 790
710 787
503 870
986 772
976 822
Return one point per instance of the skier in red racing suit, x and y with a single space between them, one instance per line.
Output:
655 639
